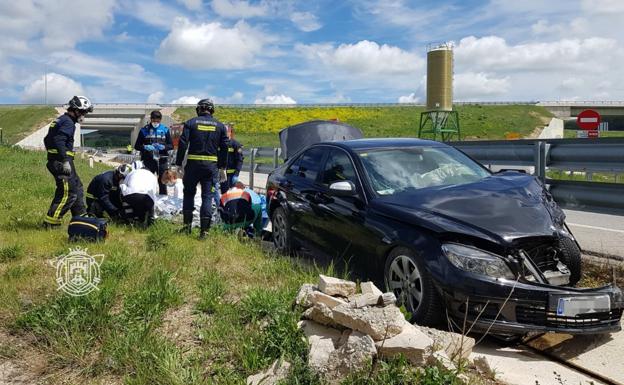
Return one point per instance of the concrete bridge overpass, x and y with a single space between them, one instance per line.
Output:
565 110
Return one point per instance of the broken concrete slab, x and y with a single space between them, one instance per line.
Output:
322 342
363 300
379 323
411 342
354 355
336 286
303 296
273 375
320 314
454 344
370 288
329 301
387 299
442 360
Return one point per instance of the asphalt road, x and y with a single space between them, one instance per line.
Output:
597 233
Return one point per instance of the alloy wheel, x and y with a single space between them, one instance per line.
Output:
405 281
279 231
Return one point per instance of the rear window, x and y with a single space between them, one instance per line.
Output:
308 164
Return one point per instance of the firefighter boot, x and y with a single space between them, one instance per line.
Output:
204 224
187 217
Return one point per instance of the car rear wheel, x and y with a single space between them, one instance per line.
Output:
282 234
406 276
571 257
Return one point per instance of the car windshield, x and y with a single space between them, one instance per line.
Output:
395 170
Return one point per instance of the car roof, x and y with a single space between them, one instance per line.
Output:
376 143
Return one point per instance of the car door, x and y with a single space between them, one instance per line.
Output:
301 186
344 225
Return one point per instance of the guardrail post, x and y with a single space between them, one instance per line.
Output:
252 167
1 136
275 157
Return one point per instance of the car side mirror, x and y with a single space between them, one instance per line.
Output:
342 189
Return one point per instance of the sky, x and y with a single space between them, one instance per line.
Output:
291 51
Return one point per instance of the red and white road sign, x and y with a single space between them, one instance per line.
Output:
593 134
588 120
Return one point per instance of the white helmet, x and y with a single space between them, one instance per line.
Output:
137 165
123 170
81 103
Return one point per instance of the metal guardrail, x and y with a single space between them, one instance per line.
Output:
588 156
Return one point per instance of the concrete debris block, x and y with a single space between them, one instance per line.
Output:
364 300
354 355
322 342
387 299
336 286
370 288
483 366
320 314
442 360
272 376
411 342
327 300
379 323
303 296
453 344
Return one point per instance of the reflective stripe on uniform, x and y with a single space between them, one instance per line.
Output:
231 171
55 151
230 149
52 221
57 213
203 127
90 196
202 157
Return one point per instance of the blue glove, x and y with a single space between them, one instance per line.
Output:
148 147
159 146
234 179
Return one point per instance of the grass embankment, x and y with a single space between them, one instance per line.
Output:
258 126
170 309
18 122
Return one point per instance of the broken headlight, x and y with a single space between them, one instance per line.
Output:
477 261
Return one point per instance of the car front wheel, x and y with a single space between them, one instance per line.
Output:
282 234
406 277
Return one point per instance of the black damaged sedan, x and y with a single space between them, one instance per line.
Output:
443 233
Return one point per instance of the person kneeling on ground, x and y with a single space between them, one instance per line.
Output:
241 207
138 194
103 193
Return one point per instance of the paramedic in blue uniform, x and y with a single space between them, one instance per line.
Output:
154 142
234 162
103 194
206 140
59 144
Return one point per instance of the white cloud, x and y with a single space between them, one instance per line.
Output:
493 53
236 98
411 98
152 12
275 99
156 97
211 46
193 5
59 89
238 9
305 21
363 57
473 86
186 100
117 76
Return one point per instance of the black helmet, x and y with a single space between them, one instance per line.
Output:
205 105
157 115
80 103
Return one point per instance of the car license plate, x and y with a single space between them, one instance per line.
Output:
573 306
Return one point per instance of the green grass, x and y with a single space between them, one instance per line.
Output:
18 122
170 309
259 126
